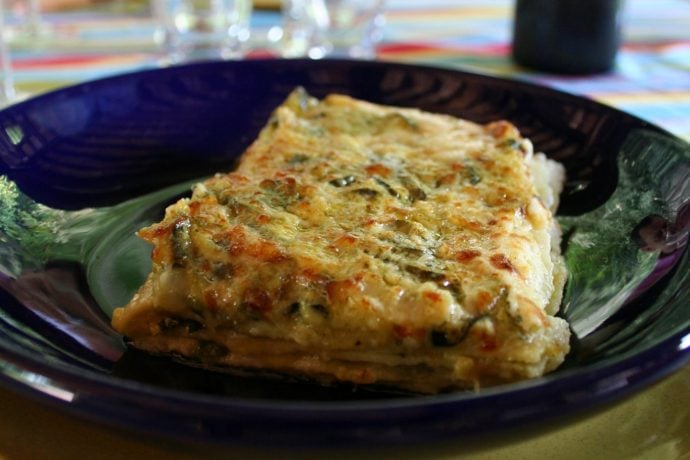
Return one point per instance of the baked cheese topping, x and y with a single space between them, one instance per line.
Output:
364 243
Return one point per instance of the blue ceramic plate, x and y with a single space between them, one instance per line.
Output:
85 166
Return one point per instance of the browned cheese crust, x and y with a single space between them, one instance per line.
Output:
364 243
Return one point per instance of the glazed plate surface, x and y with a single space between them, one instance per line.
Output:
84 167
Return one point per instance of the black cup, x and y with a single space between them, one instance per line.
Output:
567 36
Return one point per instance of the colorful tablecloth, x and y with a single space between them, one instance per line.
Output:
651 79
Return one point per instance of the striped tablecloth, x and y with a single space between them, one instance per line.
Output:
651 79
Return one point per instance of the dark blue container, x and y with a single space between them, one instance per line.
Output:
567 36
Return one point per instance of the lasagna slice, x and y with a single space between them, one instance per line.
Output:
367 244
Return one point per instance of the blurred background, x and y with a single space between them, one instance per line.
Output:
62 42
645 71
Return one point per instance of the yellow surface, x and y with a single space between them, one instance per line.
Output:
654 425
267 4
62 5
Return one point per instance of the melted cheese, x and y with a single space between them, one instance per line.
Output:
365 243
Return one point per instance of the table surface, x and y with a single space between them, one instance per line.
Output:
651 79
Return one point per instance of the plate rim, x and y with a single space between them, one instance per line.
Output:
342 409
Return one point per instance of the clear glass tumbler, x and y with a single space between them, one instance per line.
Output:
335 28
203 29
29 26
7 93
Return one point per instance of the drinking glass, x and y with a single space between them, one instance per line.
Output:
34 22
203 29
336 28
7 93
29 21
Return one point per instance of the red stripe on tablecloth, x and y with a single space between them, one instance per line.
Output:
76 61
57 61
488 50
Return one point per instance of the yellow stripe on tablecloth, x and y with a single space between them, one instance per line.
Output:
417 14
644 97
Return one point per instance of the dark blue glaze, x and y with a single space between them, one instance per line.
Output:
106 141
